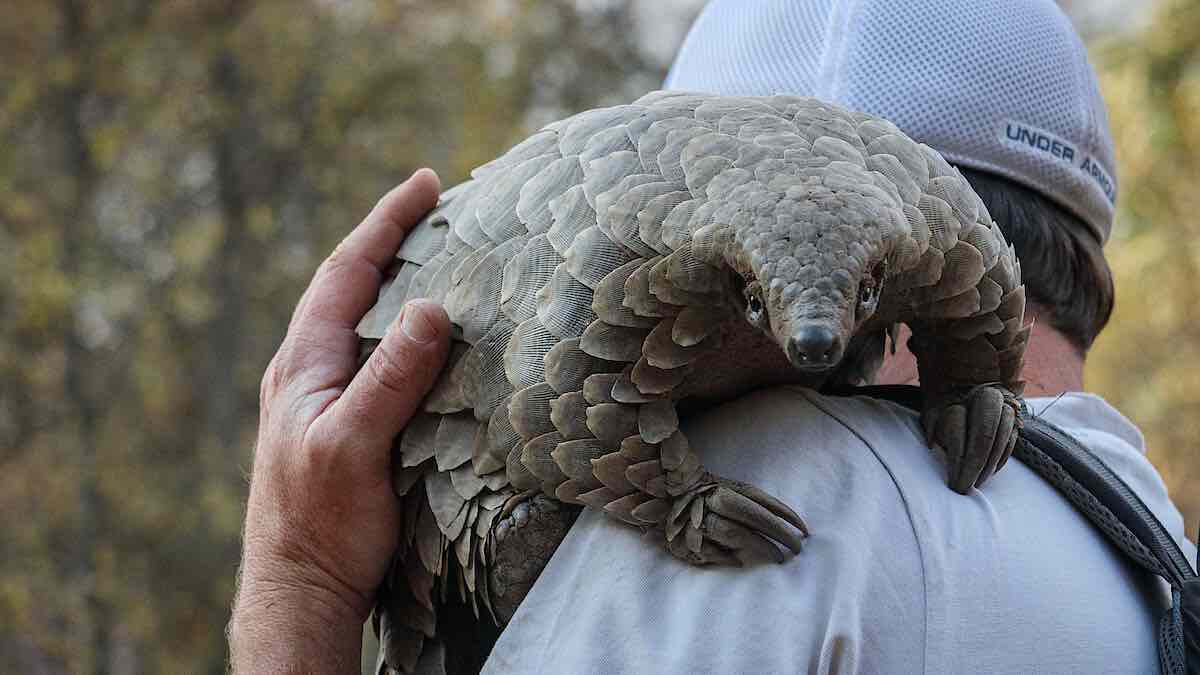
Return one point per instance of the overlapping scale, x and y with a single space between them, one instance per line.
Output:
587 271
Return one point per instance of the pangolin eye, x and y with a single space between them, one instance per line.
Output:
755 310
866 294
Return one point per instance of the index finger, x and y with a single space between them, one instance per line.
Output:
348 281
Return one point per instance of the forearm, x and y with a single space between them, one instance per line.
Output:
281 628
321 519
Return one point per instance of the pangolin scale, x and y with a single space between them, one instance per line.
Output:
683 247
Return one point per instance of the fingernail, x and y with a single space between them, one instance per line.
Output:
414 173
416 325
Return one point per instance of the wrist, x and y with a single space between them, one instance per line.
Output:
282 625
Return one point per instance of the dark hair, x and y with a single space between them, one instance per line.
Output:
1062 261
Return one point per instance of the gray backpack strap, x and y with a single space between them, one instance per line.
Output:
1106 500
1116 510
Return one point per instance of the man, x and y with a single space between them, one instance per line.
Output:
901 573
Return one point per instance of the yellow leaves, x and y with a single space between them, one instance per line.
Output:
194 245
260 222
107 143
194 306
43 293
19 98
62 70
222 502
1187 98
1124 89
1147 362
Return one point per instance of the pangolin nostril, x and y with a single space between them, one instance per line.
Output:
813 346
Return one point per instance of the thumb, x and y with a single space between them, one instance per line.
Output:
385 393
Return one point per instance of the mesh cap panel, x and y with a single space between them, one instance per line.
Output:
998 85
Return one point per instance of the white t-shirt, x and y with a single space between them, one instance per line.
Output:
900 575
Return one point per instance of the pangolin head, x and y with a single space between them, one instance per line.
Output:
812 268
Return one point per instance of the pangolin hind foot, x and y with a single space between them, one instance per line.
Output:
726 522
524 541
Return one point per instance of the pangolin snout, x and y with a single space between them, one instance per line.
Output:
814 348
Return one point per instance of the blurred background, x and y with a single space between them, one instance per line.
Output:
172 171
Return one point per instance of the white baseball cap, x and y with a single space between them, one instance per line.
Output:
1002 86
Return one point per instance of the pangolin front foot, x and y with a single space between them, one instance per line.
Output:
977 430
725 522
525 538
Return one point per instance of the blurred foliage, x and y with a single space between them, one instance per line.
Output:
172 171
1147 362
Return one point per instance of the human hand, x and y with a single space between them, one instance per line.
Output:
321 519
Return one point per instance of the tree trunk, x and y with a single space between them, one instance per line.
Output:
77 231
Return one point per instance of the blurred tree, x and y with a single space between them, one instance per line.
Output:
171 172
1146 361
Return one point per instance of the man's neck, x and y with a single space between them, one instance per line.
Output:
1052 364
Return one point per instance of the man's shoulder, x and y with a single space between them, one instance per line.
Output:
612 601
900 574
1015 550
883 443
877 435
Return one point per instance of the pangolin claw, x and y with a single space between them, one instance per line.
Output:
978 432
731 523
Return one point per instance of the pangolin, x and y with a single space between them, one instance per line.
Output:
685 247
